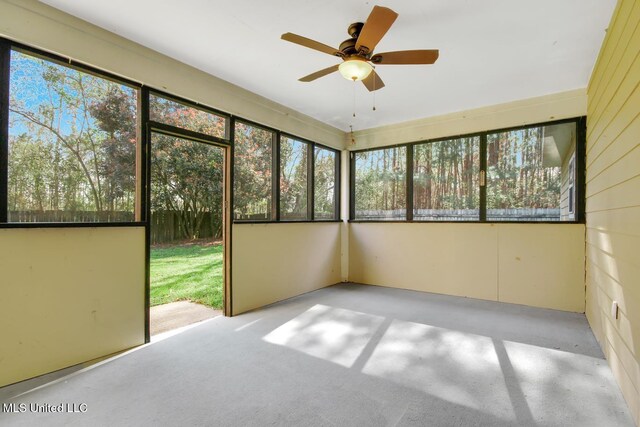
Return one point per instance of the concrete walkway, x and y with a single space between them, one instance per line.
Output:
175 315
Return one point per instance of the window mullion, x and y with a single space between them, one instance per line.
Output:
311 159
5 58
409 182
352 185
337 187
275 178
482 179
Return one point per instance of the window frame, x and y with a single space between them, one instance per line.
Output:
275 177
579 183
413 151
337 184
144 127
226 140
408 183
6 47
572 185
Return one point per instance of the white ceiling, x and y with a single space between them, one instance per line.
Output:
491 51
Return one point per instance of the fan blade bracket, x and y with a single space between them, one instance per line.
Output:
406 57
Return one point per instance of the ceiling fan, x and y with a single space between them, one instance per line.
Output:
357 52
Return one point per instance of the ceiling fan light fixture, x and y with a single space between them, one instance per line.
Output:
355 69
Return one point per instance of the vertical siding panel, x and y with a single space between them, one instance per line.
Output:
613 198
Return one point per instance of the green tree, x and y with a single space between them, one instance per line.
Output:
252 172
54 110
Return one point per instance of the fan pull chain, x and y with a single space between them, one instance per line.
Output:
374 89
354 98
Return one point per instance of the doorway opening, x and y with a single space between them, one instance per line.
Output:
187 230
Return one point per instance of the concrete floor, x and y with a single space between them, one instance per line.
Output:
351 355
167 317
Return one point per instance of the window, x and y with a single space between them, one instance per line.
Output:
324 193
528 174
293 179
174 113
252 185
380 184
306 182
524 172
76 153
445 180
72 144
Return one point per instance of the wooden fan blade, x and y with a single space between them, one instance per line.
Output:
406 57
311 44
373 82
377 25
311 77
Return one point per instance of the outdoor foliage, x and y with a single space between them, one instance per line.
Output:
293 179
521 184
174 113
324 192
186 179
72 144
445 179
252 172
516 177
186 176
381 183
72 151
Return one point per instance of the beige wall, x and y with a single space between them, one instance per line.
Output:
68 295
539 265
613 199
272 262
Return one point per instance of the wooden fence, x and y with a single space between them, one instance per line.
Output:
532 214
70 216
166 226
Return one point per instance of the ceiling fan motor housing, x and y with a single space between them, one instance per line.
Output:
354 29
348 47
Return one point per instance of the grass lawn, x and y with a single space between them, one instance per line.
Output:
190 272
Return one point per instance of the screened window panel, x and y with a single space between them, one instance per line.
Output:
293 179
445 180
528 173
72 144
170 112
380 184
253 159
324 183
